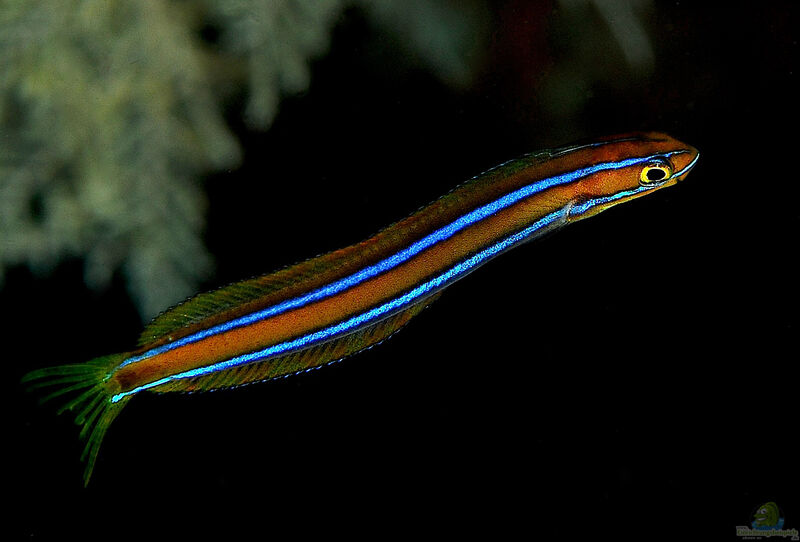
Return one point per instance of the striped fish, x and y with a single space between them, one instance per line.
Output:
335 305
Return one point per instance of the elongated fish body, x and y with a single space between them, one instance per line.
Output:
337 304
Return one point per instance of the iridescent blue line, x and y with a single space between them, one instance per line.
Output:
689 166
580 208
395 305
392 261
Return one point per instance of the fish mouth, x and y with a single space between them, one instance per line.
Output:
678 175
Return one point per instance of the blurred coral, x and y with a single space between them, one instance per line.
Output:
110 114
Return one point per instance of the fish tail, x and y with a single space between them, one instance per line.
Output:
90 393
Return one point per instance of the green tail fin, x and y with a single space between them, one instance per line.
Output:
91 399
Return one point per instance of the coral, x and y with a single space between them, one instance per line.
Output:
110 115
103 140
276 38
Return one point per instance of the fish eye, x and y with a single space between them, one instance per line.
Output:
655 172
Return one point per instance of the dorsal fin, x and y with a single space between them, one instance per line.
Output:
249 295
205 305
255 293
258 292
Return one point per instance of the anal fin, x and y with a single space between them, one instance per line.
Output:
302 360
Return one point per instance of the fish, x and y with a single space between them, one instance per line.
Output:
335 305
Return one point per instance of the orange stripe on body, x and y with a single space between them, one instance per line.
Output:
358 299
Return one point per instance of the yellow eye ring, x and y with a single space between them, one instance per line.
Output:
655 173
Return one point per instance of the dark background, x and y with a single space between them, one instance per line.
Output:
630 376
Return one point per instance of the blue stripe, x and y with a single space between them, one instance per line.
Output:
689 166
393 261
581 208
395 305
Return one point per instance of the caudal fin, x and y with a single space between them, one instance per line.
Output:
91 399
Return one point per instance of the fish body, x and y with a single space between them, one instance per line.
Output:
337 304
